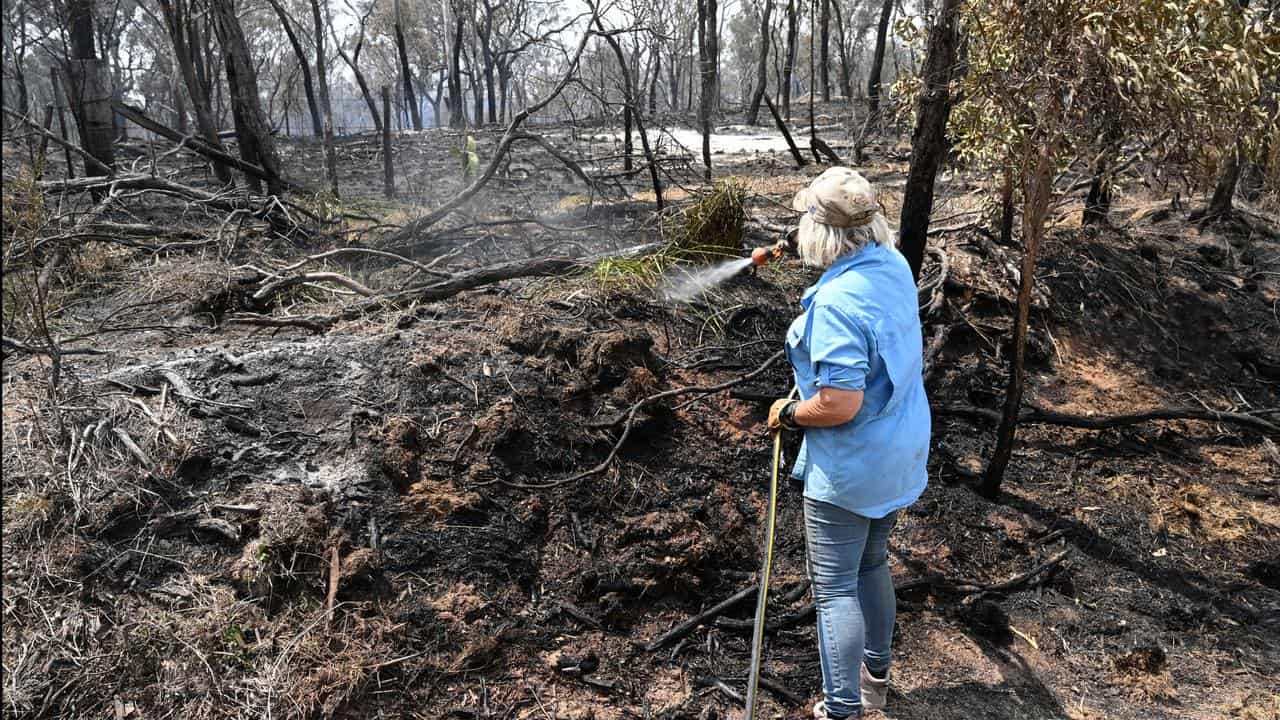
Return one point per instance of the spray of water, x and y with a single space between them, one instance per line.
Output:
689 285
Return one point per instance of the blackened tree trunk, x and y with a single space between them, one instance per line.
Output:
627 148
504 88
789 65
89 88
477 89
60 101
762 67
1097 204
824 53
388 168
653 79
929 141
184 34
842 49
1225 190
253 129
304 66
877 60
179 106
1037 191
406 74
707 60
457 104
326 108
1006 209
485 32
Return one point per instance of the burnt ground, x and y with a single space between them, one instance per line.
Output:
409 444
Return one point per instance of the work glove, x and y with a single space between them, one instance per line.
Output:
782 415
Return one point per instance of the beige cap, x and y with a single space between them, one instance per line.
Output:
839 197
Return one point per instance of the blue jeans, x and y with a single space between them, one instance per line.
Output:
849 568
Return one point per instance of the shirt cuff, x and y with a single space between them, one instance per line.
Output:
841 377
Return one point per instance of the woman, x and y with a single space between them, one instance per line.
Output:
856 352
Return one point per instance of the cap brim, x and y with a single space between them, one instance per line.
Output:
800 203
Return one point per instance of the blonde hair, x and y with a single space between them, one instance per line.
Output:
820 244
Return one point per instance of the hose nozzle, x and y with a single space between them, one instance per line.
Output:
762 255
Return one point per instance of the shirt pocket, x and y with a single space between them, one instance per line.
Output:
901 362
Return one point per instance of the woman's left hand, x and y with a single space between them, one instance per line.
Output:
776 421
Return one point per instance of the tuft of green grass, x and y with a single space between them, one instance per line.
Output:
711 228
703 232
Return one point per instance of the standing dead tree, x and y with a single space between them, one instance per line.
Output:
708 52
929 142
629 97
89 86
406 74
352 60
326 108
253 132
304 66
184 34
762 68
513 133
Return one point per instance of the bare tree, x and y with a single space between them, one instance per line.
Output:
185 35
877 64
762 69
789 65
304 66
253 132
406 73
353 61
824 54
326 109
708 52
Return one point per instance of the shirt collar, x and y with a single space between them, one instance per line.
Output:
842 265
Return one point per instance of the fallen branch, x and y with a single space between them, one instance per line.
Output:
133 448
16 344
688 626
335 569
198 146
940 335
478 277
1042 416
266 291
723 687
268 209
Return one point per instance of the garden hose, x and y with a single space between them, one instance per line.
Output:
766 567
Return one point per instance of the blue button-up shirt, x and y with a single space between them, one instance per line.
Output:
860 330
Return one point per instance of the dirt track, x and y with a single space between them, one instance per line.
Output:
199 587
